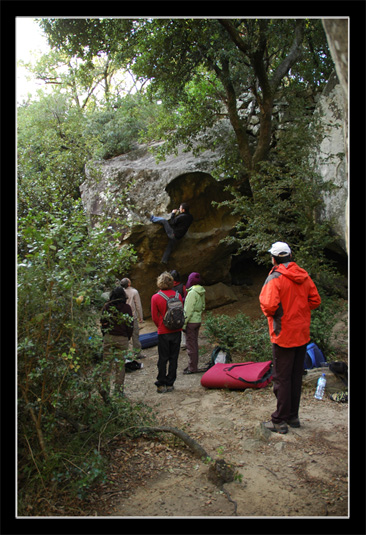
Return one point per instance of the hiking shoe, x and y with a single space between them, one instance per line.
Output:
293 422
276 428
161 389
170 388
186 371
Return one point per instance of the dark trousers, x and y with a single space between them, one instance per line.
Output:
168 349
288 367
192 345
169 248
169 231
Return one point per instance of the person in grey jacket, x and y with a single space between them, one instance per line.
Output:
134 300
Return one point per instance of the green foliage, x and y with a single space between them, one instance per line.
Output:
88 37
246 339
52 151
286 202
64 265
323 319
198 69
85 81
118 126
191 118
77 458
285 207
63 268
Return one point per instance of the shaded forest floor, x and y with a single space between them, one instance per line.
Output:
303 473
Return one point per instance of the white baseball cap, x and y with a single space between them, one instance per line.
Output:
280 248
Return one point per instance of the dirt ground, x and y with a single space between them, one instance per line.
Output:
303 473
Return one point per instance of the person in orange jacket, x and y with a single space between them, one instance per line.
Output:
286 299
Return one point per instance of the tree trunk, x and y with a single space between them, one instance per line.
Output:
265 133
267 85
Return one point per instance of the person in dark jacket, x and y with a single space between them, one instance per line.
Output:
175 228
117 327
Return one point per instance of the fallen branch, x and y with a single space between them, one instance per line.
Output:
220 472
191 443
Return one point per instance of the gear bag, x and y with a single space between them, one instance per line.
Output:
219 355
148 339
238 376
174 315
314 357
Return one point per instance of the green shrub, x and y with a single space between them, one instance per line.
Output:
63 267
246 339
323 319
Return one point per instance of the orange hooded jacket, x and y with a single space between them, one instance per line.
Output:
287 297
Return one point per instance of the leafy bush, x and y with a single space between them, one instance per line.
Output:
77 458
323 319
63 268
246 339
117 128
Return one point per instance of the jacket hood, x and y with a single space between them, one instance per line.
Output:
293 272
197 288
194 278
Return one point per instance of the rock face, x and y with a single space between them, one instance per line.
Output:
133 185
337 36
148 187
332 161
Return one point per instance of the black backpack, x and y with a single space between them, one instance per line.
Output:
174 315
219 355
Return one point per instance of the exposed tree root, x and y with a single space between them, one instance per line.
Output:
220 472
197 449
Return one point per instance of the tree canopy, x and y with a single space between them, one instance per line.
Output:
269 57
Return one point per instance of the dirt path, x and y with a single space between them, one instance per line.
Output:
303 473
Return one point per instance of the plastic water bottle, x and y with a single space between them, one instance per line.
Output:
320 387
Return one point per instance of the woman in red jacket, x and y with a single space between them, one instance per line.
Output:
168 340
287 298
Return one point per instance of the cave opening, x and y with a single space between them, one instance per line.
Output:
199 190
246 271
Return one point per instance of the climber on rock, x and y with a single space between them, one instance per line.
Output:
175 227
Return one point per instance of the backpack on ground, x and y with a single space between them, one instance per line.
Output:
219 355
132 366
313 357
174 315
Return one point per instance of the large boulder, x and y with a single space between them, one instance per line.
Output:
149 187
219 295
332 161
